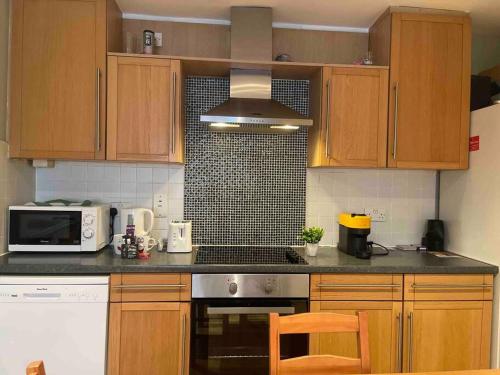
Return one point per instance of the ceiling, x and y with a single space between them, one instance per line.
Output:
344 13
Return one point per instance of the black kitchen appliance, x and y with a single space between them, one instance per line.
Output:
353 233
230 312
434 237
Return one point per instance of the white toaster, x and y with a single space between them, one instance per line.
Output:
179 237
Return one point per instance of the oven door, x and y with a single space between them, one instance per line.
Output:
45 230
231 336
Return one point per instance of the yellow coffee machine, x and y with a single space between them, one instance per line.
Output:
353 233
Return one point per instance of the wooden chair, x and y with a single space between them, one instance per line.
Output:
318 323
35 368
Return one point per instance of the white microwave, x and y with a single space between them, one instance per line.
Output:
58 228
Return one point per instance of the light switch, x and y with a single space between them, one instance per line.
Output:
160 204
377 214
158 39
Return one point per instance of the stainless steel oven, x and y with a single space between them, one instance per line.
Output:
230 324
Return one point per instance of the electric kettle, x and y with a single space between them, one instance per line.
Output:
137 217
179 237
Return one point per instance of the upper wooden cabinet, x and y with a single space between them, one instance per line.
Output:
144 110
58 79
349 107
429 90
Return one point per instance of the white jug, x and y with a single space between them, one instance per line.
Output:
139 220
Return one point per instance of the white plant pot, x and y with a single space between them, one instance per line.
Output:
311 249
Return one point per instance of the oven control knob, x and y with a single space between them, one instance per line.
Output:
268 288
88 233
88 219
233 288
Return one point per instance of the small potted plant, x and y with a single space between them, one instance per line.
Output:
311 236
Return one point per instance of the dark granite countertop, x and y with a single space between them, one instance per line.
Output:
328 260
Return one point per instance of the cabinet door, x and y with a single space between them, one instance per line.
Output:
384 333
445 336
356 117
148 338
143 109
429 91
58 77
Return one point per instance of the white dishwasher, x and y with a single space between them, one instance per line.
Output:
61 320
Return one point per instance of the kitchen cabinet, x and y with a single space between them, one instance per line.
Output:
429 322
144 110
58 78
447 323
349 107
429 86
380 296
149 324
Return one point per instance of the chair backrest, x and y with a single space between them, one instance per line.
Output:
318 323
35 368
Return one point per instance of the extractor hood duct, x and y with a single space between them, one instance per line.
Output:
250 107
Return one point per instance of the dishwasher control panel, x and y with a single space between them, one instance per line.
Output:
17 290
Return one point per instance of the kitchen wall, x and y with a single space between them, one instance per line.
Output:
208 40
407 197
17 178
485 52
244 188
4 48
120 184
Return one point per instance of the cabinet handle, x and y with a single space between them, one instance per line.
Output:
173 114
327 140
98 110
396 106
183 358
451 286
347 286
410 342
149 286
399 319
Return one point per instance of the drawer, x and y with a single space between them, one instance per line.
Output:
356 287
150 287
448 287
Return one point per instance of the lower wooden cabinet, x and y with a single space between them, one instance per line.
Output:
440 322
447 335
384 330
149 338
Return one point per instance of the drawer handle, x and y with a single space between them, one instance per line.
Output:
346 286
451 286
149 286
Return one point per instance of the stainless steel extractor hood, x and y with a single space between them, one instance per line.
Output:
250 108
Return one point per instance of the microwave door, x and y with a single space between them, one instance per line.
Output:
38 228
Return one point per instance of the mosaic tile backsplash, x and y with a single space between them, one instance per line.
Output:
244 188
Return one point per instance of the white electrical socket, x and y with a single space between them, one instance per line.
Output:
160 204
158 39
377 214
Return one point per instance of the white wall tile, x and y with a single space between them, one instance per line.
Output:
406 196
17 186
119 184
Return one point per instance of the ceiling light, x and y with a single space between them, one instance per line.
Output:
285 127
223 125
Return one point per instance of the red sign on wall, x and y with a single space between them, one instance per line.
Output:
474 143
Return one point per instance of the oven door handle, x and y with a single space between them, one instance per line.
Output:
250 310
